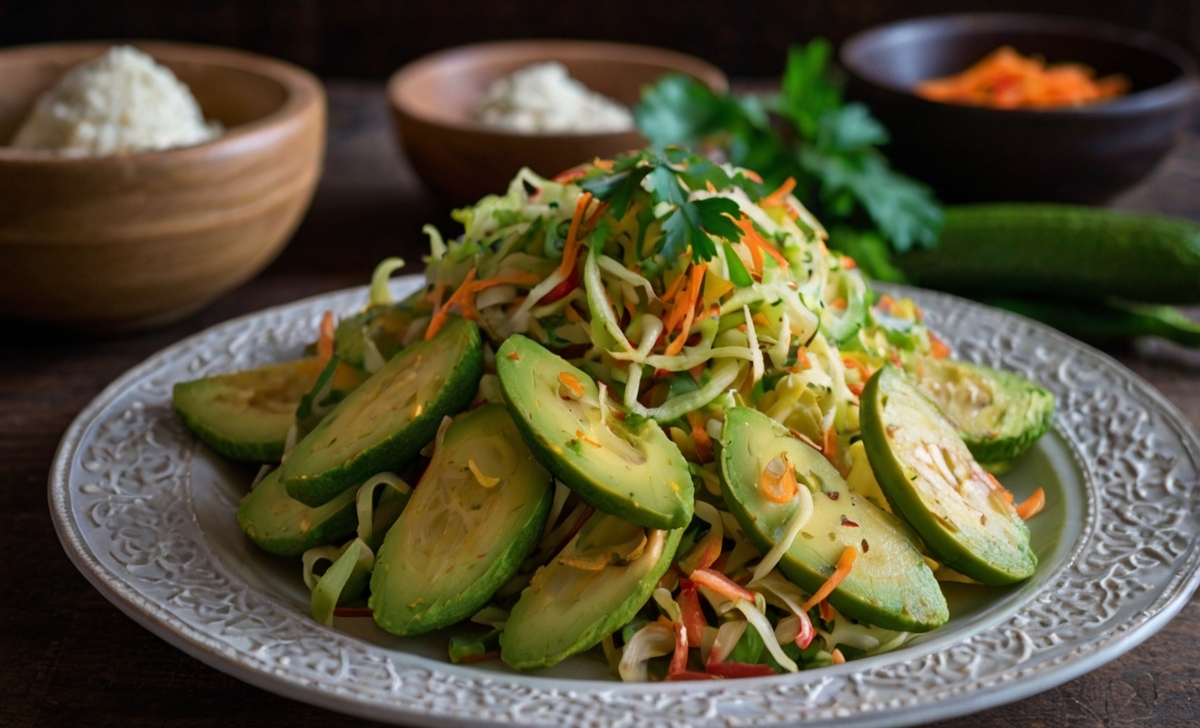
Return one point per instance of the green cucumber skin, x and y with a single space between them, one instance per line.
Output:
265 451
516 657
503 567
1108 322
397 451
906 502
285 537
1061 251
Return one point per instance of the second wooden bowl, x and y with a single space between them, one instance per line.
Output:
134 240
461 160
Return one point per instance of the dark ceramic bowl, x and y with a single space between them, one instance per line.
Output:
1083 154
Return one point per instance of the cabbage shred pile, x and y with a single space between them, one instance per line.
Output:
686 288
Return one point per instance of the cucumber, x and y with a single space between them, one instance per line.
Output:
1113 320
246 415
632 470
1061 251
599 581
890 585
929 477
384 423
383 326
475 516
282 525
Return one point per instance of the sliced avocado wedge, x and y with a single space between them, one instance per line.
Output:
890 585
475 516
998 414
280 524
599 581
930 478
384 423
246 415
632 471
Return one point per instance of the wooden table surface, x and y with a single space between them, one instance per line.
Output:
69 658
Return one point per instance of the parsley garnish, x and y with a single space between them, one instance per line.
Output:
829 147
663 180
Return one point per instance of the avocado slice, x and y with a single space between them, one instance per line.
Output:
998 414
475 516
599 581
890 585
384 326
630 470
280 524
384 423
246 415
929 477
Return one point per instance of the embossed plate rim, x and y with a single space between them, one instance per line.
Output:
573 702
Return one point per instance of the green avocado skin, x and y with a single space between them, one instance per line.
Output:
530 638
403 588
1027 407
457 342
872 592
284 526
623 493
967 547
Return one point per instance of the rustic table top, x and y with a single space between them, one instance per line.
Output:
68 657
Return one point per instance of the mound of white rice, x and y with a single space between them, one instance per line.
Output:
122 101
544 98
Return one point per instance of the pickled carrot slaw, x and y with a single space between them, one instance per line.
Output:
764 317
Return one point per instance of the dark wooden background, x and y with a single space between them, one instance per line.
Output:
69 658
371 38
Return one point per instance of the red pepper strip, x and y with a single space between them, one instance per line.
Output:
740 669
679 659
721 584
689 675
587 513
805 636
570 174
325 340
692 614
562 289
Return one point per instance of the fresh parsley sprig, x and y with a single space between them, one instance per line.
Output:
806 132
665 179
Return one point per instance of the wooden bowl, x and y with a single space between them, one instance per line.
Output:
461 160
1083 154
136 240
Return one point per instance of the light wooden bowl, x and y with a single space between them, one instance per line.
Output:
461 160
132 241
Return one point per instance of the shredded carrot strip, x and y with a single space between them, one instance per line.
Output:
325 340
776 197
751 174
439 317
631 309
825 610
572 383
571 314
756 242
721 584
829 445
779 489
863 372
885 303
704 446
1005 79
605 164
848 263
1032 505
570 174
844 564
571 247
674 288
703 555
838 303
937 348
435 296
693 292
514 356
837 657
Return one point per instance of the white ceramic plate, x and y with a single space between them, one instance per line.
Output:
147 515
